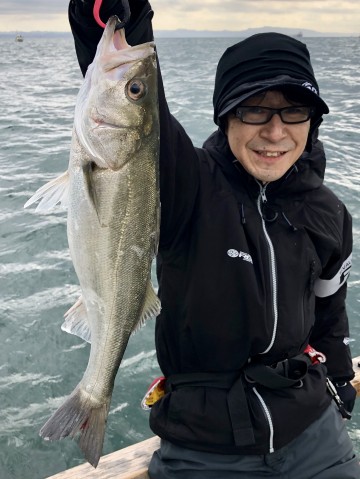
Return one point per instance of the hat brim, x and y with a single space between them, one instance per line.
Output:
304 89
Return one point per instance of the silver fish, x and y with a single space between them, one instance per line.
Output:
111 190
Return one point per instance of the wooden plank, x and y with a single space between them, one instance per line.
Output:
128 463
132 462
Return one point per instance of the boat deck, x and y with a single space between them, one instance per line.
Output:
132 462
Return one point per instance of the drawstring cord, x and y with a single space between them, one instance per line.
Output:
293 169
288 222
243 220
267 210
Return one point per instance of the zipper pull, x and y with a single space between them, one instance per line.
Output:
263 193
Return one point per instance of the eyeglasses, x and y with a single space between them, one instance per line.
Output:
259 115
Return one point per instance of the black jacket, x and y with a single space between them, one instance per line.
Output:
245 272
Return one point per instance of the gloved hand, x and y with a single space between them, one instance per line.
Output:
108 8
113 7
87 32
347 394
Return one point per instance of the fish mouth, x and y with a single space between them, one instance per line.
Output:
101 124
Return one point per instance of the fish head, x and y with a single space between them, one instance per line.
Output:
117 105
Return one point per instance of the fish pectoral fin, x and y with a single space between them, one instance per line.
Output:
88 171
76 321
152 307
54 192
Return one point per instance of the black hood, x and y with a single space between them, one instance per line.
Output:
305 175
267 61
263 62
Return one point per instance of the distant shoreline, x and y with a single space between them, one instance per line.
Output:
183 33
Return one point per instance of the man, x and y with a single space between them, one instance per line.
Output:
253 259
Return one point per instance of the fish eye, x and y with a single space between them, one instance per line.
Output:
135 89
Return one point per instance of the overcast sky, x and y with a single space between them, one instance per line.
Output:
321 15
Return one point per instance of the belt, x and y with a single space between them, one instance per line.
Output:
284 374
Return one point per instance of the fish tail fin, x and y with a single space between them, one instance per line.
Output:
79 416
92 437
54 192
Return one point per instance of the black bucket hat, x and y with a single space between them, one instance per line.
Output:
266 61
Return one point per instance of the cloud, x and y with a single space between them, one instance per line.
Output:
33 7
172 7
323 15
28 15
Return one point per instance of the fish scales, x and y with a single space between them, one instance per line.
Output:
111 190
114 264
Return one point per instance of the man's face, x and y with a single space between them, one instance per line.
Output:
267 151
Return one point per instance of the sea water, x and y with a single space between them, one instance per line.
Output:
39 364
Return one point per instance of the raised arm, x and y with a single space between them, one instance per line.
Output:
178 157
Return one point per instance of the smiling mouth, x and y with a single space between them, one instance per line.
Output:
270 154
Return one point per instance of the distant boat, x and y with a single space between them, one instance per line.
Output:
299 35
19 38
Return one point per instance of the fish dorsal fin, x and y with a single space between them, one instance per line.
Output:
54 192
76 321
152 307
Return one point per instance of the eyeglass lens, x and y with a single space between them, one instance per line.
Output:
259 115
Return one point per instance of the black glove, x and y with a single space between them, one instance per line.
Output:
347 394
88 5
113 7
87 32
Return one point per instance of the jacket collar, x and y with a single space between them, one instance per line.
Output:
305 175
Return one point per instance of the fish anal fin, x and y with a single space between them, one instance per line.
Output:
76 321
152 307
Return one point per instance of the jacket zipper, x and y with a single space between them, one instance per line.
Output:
273 282
268 418
273 279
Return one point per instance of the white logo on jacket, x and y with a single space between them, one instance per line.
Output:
327 287
233 253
